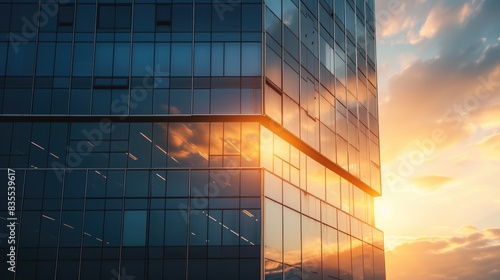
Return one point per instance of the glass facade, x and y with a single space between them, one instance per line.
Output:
177 139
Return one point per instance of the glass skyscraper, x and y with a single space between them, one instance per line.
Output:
177 139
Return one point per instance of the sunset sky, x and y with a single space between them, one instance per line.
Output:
439 107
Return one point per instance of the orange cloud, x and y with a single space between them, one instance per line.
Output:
431 183
474 255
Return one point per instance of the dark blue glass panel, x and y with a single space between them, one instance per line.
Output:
181 59
134 228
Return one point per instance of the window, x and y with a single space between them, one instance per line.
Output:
113 17
66 15
163 15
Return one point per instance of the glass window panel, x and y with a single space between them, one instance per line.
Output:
156 227
177 183
137 183
273 270
121 59
273 230
251 17
180 101
217 59
201 100
273 186
291 115
250 227
330 253
21 63
162 59
142 59
225 101
93 228
291 16
357 258
186 145
30 228
134 228
315 178
103 59
368 262
45 62
250 183
251 101
291 83
63 59
198 226
144 20
175 232
139 154
291 196
182 17
82 60
311 247
273 66
181 59
85 17
291 237
232 59
273 104
226 17
379 263
249 144
202 59
112 228
215 228
230 233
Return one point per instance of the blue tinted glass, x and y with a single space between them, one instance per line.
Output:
93 227
156 228
82 62
112 227
101 102
63 59
201 101
225 101
71 230
198 227
17 101
202 59
176 231
232 59
180 101
162 59
217 59
85 17
137 183
45 60
251 59
181 59
103 59
142 59
3 57
144 18
20 63
80 102
134 228
121 59
177 183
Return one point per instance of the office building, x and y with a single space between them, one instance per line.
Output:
176 139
